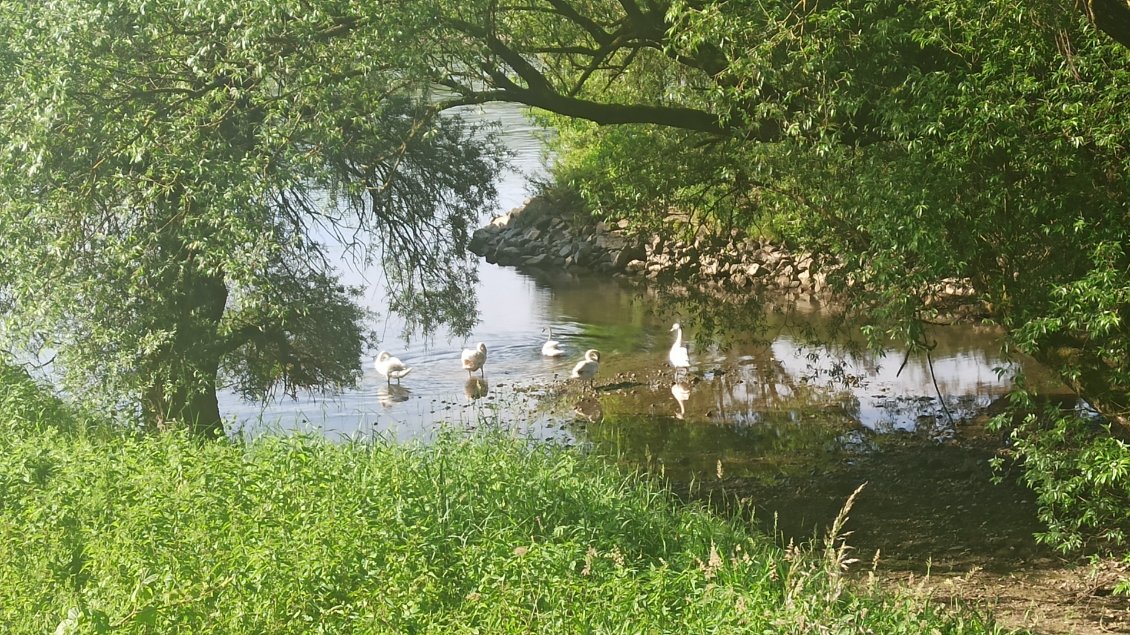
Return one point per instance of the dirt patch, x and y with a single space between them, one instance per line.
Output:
942 526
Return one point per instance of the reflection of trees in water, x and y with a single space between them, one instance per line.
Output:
927 414
759 384
834 347
776 386
774 446
598 306
720 322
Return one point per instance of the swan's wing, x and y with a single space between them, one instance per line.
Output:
679 357
473 359
586 368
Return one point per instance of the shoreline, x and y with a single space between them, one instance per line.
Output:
545 234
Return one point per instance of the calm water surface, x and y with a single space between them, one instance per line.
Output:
753 396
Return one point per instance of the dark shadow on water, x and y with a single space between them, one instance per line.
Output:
925 506
787 456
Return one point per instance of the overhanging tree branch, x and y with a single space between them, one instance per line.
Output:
1109 16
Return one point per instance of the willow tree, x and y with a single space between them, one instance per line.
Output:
174 174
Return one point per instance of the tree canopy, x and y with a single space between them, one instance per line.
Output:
175 172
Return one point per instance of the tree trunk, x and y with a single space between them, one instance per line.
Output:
183 375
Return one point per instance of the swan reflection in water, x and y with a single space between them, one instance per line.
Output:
681 391
476 388
589 410
392 393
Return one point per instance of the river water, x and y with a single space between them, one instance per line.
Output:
751 395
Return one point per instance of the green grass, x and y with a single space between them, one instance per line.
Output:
107 531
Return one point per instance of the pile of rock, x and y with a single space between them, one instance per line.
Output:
545 235
540 235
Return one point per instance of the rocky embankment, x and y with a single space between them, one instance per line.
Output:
543 235
540 235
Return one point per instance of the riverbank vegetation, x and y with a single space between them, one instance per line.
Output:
104 530
174 173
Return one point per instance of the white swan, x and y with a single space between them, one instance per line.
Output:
678 356
391 367
551 347
474 359
587 367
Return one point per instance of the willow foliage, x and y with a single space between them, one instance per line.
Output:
177 173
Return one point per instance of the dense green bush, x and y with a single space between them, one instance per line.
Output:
294 534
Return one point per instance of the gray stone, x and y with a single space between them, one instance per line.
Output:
480 240
610 241
804 277
508 254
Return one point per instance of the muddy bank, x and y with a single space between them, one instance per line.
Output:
937 519
545 234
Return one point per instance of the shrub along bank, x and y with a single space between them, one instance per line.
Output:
110 531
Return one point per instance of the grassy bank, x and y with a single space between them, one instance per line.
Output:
104 531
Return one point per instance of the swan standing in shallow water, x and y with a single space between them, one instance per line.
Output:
587 367
551 347
474 359
678 356
391 367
